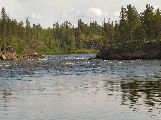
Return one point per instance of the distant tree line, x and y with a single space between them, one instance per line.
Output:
133 27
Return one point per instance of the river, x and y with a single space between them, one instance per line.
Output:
71 87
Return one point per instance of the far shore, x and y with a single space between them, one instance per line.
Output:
85 51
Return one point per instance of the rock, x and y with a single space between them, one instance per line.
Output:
8 53
32 55
146 52
3 57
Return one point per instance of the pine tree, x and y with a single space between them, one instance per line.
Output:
157 25
148 22
28 33
123 26
3 26
133 21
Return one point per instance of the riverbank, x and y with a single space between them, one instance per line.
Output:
56 52
145 51
8 53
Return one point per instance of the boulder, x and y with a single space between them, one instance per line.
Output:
33 55
8 53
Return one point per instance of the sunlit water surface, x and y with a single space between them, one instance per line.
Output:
71 87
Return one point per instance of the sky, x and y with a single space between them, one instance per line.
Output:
48 12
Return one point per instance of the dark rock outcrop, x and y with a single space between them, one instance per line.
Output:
145 51
8 53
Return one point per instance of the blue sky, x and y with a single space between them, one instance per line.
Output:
47 12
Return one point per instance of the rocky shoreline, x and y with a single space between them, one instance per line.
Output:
146 51
8 53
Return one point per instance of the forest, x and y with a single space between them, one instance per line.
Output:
132 27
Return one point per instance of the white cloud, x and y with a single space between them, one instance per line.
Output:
64 15
70 13
35 16
156 7
71 10
96 12
116 13
22 1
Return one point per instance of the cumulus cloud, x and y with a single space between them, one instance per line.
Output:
70 13
71 9
116 13
64 15
156 7
35 16
23 0
96 12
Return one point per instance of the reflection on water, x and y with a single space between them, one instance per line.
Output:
71 87
5 94
147 93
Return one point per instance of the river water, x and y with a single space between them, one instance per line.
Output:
71 87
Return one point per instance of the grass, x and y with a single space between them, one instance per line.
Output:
56 52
